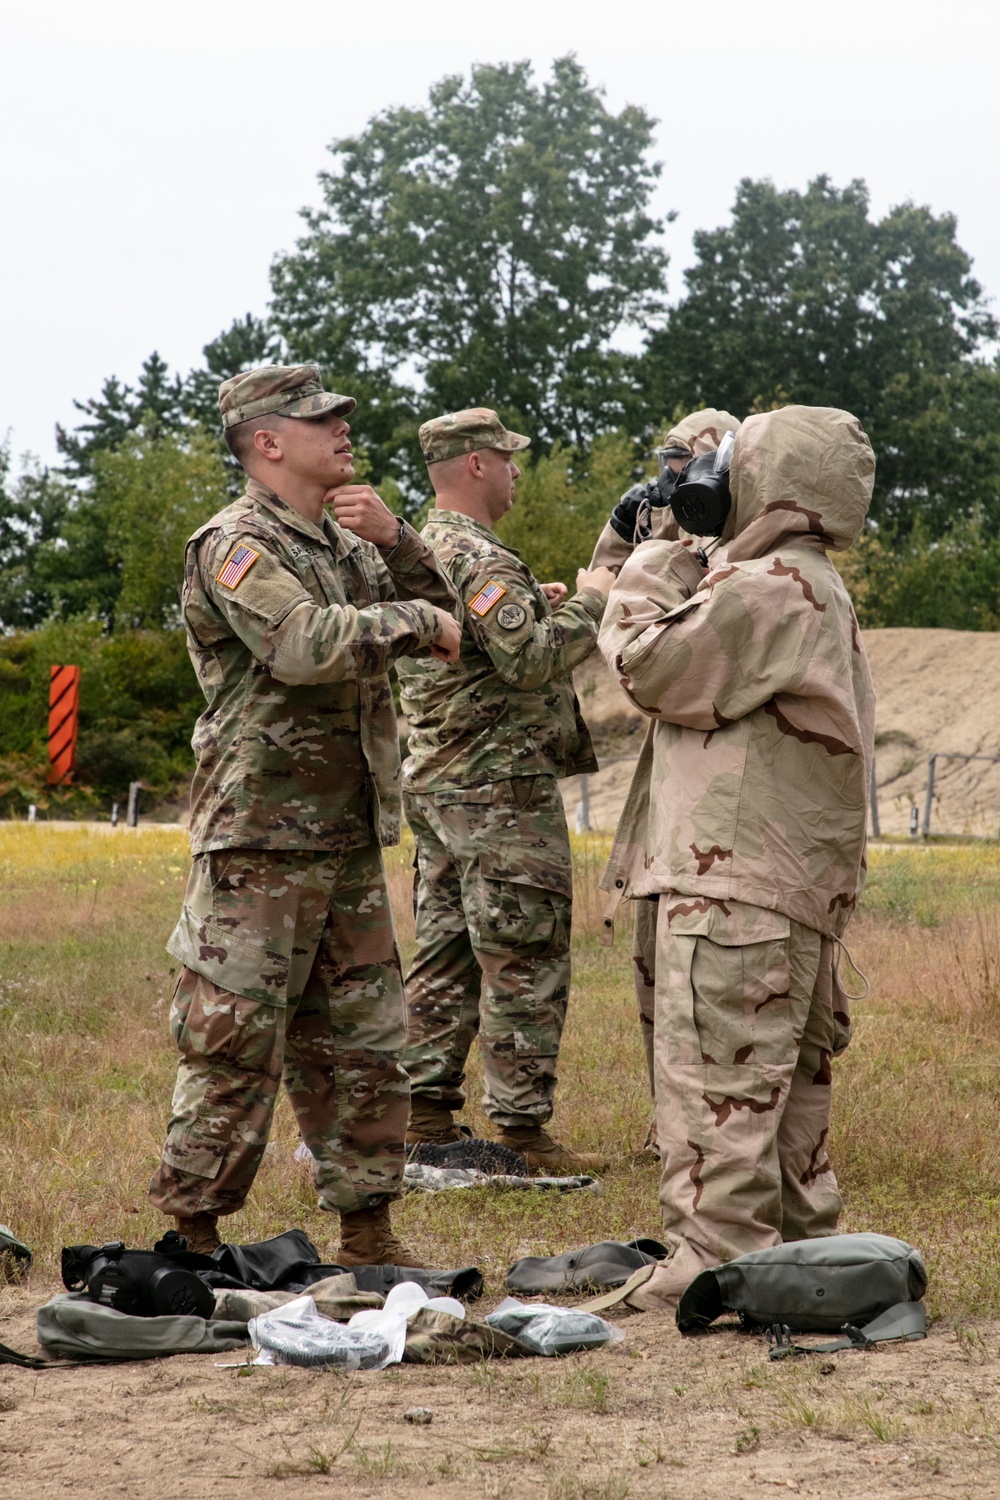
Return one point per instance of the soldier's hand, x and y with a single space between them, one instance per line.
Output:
601 579
555 593
447 648
357 507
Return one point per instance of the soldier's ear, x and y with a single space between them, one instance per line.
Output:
267 445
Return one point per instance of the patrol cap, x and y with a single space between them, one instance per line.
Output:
466 432
287 390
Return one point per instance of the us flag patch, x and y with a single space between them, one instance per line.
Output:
240 563
486 598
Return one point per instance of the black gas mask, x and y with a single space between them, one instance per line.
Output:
140 1282
700 497
698 494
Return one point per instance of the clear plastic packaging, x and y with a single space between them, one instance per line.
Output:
297 1334
549 1330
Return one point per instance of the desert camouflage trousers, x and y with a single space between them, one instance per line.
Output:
749 1015
493 907
299 979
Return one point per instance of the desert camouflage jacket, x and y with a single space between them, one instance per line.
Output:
291 628
700 432
507 706
752 785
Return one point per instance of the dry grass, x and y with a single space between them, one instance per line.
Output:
86 1065
85 1075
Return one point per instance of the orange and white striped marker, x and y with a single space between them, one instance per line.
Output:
64 710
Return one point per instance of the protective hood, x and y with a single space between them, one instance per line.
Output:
807 469
701 431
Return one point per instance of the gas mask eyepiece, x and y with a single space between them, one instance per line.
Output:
665 455
700 499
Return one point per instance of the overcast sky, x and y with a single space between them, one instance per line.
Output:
155 156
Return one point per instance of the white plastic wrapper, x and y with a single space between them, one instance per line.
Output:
297 1334
549 1330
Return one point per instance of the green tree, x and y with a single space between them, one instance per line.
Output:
155 492
492 245
562 505
247 342
949 582
804 298
119 552
154 405
32 512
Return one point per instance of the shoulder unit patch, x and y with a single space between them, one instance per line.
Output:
511 616
488 595
239 564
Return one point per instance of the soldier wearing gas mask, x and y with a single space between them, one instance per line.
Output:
747 818
642 514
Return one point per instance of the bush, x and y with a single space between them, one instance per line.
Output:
951 582
139 699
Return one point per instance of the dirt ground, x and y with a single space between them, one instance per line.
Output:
938 691
656 1416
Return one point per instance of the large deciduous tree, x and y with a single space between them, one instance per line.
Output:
804 297
32 513
488 248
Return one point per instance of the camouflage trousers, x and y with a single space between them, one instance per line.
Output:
291 971
749 1014
493 908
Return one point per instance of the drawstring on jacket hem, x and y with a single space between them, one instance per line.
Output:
843 948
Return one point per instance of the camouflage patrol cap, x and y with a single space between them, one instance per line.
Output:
287 390
466 432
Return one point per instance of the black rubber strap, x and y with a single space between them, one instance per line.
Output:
26 1361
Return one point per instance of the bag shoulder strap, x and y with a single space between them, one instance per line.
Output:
906 1321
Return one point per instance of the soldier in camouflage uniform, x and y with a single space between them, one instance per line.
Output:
289 961
747 817
489 735
632 522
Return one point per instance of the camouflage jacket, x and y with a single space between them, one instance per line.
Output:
507 706
753 783
291 628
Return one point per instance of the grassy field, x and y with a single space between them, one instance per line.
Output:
86 1068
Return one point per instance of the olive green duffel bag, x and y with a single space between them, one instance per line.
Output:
844 1283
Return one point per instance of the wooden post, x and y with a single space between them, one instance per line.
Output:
929 804
876 829
132 817
64 709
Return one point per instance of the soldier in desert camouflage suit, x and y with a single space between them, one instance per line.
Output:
489 735
747 816
290 965
633 522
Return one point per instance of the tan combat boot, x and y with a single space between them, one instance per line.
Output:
431 1122
542 1155
200 1232
366 1239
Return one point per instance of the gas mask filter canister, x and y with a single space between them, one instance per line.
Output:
700 499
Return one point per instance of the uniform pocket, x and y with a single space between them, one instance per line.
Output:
727 998
514 915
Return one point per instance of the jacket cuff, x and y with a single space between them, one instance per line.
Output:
407 553
593 601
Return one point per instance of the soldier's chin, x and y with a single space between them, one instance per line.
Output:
343 474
